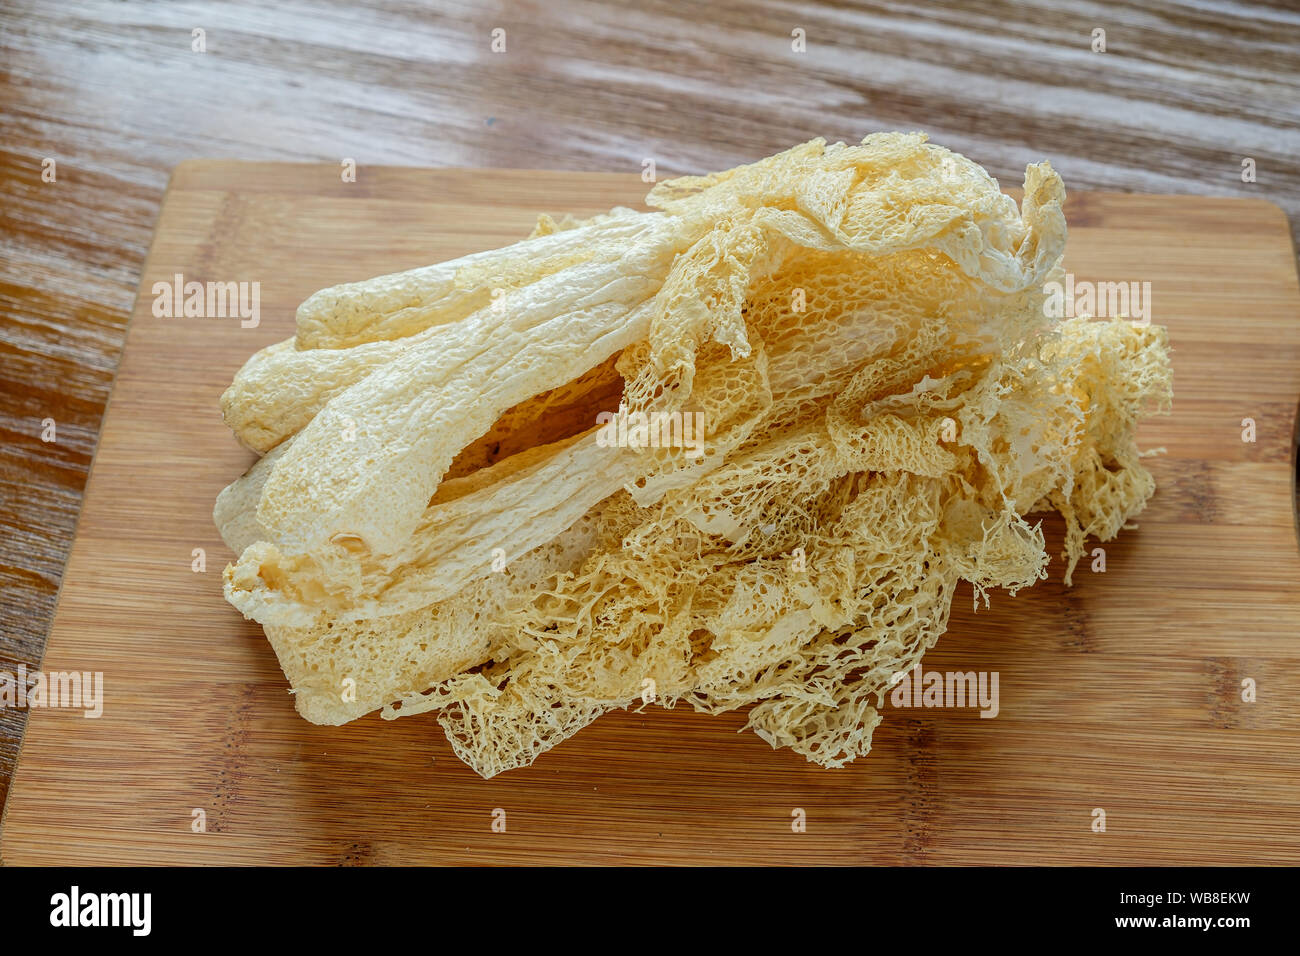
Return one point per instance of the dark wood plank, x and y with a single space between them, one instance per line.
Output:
114 93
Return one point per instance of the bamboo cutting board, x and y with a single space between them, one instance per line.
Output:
1123 693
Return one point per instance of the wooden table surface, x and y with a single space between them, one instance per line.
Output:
115 95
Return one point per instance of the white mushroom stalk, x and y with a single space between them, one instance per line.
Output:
473 501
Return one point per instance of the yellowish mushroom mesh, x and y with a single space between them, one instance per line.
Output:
861 332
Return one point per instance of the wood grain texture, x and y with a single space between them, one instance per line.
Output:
115 95
1121 693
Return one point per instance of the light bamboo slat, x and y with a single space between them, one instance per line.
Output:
1121 693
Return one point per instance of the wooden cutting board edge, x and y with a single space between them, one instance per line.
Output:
189 173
